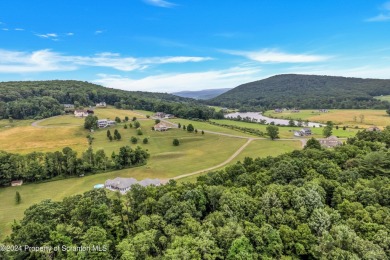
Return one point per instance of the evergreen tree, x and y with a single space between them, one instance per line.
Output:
176 142
133 140
190 128
18 198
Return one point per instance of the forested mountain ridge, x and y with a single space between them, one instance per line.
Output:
306 92
202 94
308 204
30 99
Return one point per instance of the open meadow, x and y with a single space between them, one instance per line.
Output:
383 98
362 118
195 152
288 132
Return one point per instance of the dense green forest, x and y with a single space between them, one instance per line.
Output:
40 99
38 166
309 204
306 92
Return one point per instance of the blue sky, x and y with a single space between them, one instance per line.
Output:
167 46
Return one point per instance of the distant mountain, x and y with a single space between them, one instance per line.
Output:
306 91
202 94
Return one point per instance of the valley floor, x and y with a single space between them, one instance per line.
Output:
195 155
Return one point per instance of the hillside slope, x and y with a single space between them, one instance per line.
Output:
306 91
32 99
202 94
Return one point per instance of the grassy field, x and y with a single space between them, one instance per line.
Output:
206 126
287 132
383 98
54 133
195 152
111 113
348 117
259 148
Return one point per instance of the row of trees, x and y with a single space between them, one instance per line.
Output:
38 166
309 204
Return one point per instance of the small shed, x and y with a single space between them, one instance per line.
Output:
17 183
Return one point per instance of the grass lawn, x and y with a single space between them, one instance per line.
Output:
209 127
384 98
287 132
303 114
61 121
6 125
348 117
25 139
111 113
259 148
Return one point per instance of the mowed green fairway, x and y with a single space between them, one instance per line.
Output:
347 117
288 132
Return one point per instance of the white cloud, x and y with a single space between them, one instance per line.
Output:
52 36
14 62
19 29
5 29
38 61
379 18
98 31
275 56
183 81
160 3
383 16
70 34
367 71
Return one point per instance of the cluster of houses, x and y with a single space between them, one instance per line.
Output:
102 123
302 132
124 184
331 141
160 127
295 110
163 115
280 110
101 104
82 112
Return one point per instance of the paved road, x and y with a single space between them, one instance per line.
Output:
36 123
